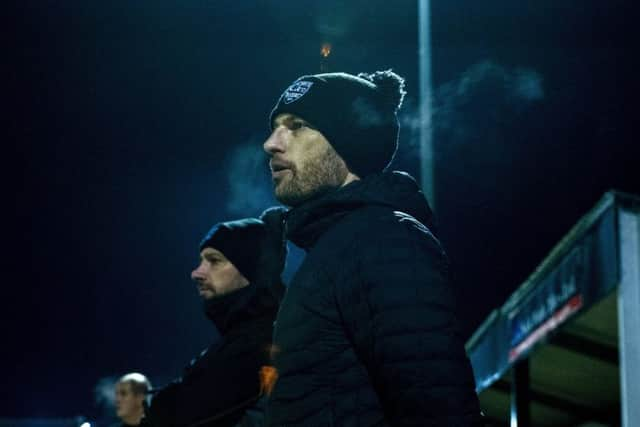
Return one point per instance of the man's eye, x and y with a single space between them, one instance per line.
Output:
296 125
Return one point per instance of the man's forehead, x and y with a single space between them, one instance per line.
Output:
284 118
209 251
123 385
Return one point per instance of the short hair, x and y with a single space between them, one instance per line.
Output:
139 383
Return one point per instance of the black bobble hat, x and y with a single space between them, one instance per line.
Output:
356 114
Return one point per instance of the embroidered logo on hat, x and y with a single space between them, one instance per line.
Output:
296 91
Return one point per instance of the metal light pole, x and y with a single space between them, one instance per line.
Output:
427 174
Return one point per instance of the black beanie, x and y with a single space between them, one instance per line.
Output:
239 241
356 114
256 247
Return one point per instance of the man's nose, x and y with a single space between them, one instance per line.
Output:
275 143
197 274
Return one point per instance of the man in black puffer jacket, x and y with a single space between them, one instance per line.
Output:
366 334
238 278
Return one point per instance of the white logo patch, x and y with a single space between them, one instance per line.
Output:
295 91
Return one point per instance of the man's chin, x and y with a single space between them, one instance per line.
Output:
293 198
206 294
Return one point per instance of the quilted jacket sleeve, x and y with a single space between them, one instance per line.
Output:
404 329
219 386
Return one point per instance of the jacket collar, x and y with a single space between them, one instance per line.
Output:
229 311
306 223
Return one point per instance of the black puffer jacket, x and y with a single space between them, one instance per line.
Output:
366 334
222 384
221 387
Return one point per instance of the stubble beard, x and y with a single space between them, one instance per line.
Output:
312 179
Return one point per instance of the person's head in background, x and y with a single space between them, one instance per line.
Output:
131 392
240 253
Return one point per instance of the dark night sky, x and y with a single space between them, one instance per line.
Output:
134 126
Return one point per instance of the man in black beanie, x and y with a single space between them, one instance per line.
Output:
366 334
238 277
